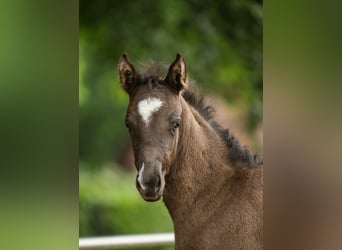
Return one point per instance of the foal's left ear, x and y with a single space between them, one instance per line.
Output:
177 75
127 73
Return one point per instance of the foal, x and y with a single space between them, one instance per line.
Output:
211 186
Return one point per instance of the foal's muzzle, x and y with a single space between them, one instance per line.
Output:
150 181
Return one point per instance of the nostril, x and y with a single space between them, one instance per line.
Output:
139 184
159 182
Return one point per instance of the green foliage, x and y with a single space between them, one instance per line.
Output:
110 204
221 42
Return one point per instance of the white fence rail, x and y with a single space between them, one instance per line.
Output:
127 241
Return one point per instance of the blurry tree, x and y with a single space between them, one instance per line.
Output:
220 40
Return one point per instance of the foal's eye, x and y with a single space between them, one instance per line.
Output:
176 124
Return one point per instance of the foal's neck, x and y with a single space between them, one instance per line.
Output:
200 164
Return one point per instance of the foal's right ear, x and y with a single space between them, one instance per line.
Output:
127 73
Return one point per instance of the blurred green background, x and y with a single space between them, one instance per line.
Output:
221 42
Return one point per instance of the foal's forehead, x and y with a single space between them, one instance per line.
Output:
149 101
147 92
147 107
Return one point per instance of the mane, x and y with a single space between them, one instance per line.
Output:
237 153
152 69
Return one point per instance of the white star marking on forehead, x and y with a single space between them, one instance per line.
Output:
147 107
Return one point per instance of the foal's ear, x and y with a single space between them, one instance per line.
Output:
127 73
177 75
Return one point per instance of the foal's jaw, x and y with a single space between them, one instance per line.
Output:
151 199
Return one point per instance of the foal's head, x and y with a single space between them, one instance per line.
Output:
153 118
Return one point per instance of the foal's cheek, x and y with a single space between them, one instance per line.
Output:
172 151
